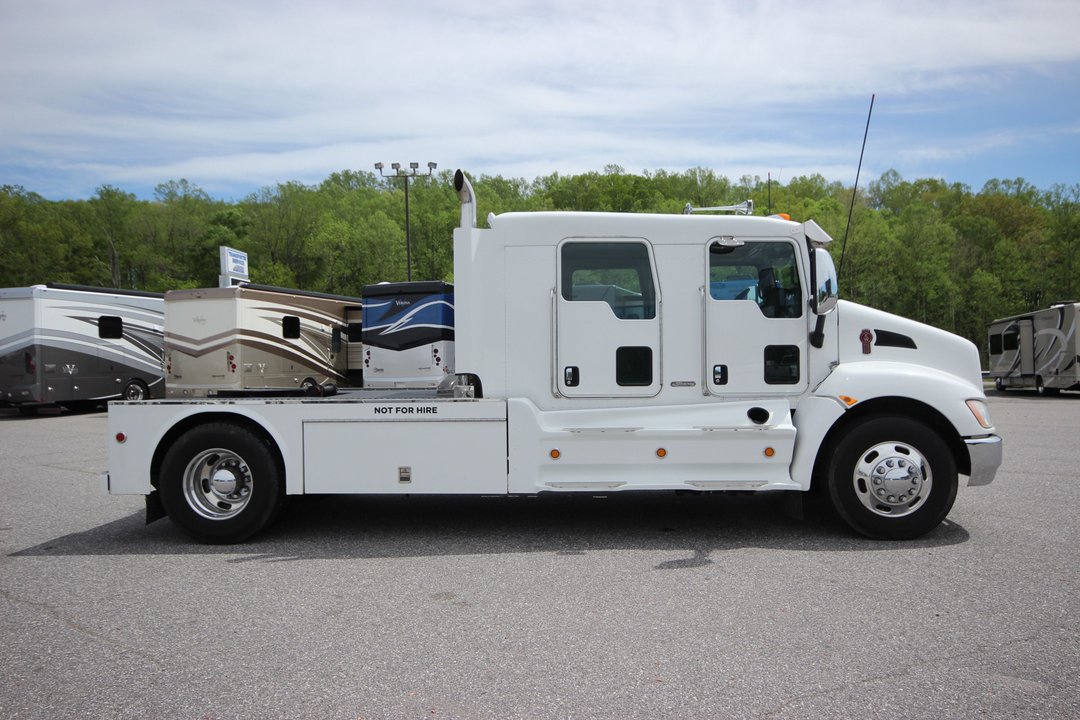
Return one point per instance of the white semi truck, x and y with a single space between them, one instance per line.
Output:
601 353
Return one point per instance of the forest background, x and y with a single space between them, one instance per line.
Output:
932 251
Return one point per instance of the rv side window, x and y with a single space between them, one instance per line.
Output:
995 345
354 332
764 272
290 327
1011 340
618 273
335 340
110 327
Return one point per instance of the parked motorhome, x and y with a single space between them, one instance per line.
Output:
657 386
76 345
408 334
258 338
1038 350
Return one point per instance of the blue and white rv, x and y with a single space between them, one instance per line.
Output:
408 334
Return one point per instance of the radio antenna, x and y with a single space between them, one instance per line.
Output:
855 189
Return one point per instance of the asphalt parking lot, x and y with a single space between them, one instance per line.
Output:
619 607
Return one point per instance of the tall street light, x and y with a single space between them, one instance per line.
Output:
406 174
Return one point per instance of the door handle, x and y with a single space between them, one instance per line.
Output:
571 376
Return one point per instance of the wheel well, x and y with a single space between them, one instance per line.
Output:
202 419
905 407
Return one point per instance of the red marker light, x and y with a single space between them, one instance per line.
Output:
121 437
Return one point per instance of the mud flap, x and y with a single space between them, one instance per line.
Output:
154 509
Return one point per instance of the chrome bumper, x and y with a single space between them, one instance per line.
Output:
985 454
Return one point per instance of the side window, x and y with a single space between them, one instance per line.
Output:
618 273
763 272
110 327
995 344
1011 339
290 327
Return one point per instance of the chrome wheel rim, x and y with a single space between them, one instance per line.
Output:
892 479
134 391
217 484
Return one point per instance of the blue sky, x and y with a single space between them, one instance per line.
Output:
237 96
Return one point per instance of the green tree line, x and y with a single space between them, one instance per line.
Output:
933 251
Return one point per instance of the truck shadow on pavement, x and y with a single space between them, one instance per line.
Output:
692 529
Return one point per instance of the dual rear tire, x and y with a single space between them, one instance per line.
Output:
221 483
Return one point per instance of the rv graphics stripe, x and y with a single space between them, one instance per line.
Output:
315 358
386 326
147 340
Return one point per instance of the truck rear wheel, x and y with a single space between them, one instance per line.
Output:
221 483
892 478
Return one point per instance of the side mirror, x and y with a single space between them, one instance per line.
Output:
825 282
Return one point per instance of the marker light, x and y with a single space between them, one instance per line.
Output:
847 400
769 452
981 412
661 453
555 454
121 437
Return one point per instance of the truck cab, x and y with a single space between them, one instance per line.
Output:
711 353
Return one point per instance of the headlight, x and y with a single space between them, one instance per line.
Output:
981 412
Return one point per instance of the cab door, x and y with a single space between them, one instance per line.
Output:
755 317
607 315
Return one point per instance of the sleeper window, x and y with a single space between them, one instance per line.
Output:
617 273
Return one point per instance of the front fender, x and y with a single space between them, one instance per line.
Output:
856 383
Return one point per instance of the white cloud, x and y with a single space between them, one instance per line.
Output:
263 92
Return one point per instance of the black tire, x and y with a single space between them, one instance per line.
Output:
892 478
221 483
1043 390
135 390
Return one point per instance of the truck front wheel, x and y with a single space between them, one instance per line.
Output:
221 483
892 478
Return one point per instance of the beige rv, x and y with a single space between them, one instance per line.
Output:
252 339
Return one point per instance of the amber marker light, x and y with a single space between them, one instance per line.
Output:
121 437
769 452
848 400
661 453
555 454
981 412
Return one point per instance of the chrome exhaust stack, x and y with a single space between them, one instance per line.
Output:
468 199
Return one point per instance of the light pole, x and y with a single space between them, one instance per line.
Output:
406 174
